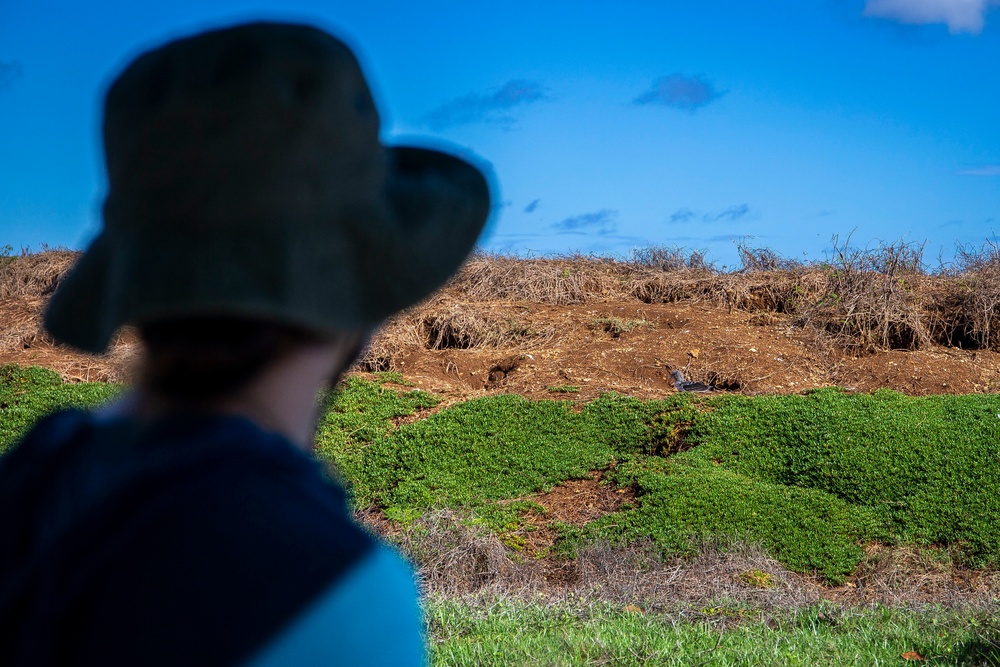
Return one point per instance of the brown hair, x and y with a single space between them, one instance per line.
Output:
210 357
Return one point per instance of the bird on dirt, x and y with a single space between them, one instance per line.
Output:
684 385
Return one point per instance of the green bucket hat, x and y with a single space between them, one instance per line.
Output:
246 177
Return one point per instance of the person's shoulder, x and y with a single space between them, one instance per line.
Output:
369 617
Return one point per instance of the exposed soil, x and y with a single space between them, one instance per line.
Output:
735 351
730 350
574 502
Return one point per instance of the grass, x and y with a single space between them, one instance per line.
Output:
564 389
508 633
29 393
616 326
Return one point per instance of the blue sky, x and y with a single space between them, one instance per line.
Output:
608 125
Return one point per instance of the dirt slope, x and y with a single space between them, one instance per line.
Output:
577 327
584 346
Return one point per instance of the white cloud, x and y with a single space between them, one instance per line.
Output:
958 15
984 170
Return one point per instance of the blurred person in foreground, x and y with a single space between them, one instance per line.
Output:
255 232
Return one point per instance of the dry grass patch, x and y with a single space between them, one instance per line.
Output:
864 301
466 326
907 576
22 323
872 299
34 274
389 343
559 281
457 558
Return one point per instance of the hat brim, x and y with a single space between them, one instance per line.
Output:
346 278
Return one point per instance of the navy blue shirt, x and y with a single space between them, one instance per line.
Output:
188 541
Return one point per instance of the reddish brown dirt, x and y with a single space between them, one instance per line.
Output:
737 351
729 349
574 502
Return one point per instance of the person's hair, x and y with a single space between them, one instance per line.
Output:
211 357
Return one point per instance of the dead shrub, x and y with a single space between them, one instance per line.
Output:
671 259
871 300
967 309
777 291
652 286
22 324
665 274
455 558
388 344
558 281
756 260
34 274
464 326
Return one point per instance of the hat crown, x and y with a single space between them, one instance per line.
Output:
252 125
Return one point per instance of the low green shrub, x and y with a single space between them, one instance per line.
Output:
928 468
356 415
679 505
493 448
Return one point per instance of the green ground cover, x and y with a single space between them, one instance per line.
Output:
509 633
28 393
809 477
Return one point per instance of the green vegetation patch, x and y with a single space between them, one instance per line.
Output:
617 326
358 414
511 633
487 449
928 469
812 478
679 505
28 393
564 389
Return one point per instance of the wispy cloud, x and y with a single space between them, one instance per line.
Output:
982 170
959 15
682 215
731 214
680 92
9 71
598 222
492 107
530 208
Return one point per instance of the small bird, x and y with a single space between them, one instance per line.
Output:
684 385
